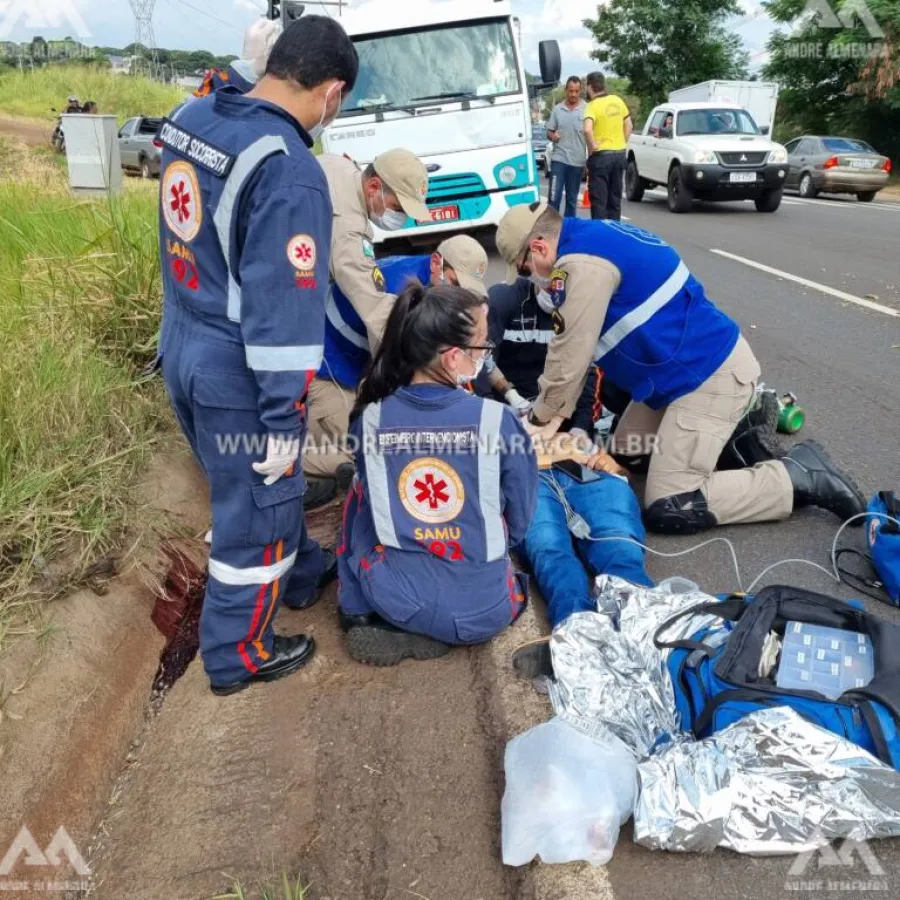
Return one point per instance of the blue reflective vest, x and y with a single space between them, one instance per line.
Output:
662 338
346 340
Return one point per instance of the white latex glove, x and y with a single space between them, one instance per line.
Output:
514 399
259 39
281 453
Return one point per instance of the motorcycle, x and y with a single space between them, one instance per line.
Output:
58 138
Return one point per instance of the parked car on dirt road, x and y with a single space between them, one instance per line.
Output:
705 151
138 147
835 165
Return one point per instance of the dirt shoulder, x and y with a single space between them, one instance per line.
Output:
29 131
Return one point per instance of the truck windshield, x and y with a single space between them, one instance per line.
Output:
716 121
447 62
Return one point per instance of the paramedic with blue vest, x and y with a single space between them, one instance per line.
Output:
446 484
388 193
627 302
459 260
245 235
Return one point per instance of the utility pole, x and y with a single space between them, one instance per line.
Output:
144 37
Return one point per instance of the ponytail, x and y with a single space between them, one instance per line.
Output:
424 322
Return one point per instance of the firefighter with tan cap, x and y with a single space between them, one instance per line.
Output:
623 299
362 294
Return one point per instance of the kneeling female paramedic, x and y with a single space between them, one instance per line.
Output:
447 483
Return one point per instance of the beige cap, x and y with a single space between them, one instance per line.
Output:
407 177
513 231
469 260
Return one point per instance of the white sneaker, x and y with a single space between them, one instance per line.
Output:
208 537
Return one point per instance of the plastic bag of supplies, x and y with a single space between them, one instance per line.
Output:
567 795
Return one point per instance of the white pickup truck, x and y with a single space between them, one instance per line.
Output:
705 151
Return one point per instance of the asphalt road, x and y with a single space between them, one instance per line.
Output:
843 362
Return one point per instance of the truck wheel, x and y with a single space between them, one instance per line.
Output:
680 195
867 196
634 184
806 187
145 168
769 201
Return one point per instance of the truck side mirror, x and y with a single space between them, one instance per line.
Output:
763 129
550 61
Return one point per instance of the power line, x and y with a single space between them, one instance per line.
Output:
208 15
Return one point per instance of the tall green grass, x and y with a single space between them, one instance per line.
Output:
33 94
79 306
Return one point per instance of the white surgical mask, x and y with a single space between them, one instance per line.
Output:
545 301
316 131
468 379
391 219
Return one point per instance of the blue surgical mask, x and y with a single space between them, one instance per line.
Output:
316 131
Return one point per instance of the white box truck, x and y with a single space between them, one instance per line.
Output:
759 98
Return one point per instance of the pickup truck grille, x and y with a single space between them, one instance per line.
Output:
740 158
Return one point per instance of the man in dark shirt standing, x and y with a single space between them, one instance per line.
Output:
565 129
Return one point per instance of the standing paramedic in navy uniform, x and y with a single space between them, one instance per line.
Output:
245 236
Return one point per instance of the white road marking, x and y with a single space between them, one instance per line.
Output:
833 292
841 204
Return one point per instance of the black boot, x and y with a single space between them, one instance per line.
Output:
755 439
288 655
328 576
818 482
533 660
682 514
319 492
372 640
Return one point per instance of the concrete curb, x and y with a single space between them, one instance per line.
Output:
521 707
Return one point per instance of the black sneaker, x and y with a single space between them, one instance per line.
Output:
819 482
755 438
327 577
289 653
372 640
533 660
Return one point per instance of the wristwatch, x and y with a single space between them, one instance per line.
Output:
533 421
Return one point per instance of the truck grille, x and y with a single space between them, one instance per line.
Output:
454 187
739 158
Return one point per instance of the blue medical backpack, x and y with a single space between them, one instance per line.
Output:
883 544
715 672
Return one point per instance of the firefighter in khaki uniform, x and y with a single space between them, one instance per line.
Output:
390 190
627 302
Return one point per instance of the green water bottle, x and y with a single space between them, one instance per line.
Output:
791 417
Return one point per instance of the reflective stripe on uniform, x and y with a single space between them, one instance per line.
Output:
376 473
489 479
337 321
253 575
284 359
244 167
641 314
529 336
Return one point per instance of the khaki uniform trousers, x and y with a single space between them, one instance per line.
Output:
690 435
328 409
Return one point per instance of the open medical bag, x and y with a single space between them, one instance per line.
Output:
715 672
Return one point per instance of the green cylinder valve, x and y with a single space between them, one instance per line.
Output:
791 418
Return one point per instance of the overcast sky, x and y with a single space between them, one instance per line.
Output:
218 25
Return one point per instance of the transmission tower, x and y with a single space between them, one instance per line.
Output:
147 62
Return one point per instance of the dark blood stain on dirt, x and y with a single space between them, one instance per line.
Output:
177 615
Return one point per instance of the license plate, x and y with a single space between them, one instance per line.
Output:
743 177
860 164
444 213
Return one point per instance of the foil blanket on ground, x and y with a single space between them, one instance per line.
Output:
771 783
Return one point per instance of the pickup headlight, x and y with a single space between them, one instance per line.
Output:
705 156
778 156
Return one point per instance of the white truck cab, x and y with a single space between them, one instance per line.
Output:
446 81
705 151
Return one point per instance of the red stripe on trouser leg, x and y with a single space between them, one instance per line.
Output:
257 615
344 537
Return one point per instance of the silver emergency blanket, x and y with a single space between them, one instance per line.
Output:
609 674
771 783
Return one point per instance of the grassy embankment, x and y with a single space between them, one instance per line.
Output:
79 303
31 95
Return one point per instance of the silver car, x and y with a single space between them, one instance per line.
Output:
835 165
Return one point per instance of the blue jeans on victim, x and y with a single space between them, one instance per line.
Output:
561 562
